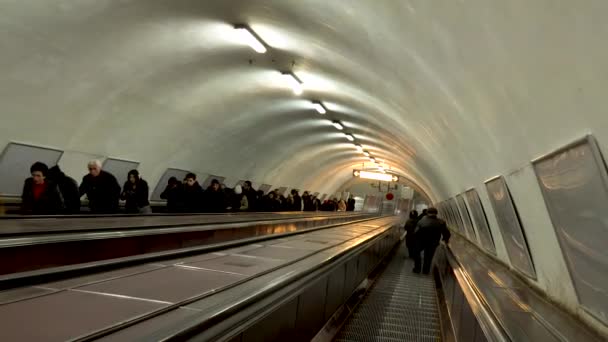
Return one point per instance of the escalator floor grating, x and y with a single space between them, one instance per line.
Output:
400 306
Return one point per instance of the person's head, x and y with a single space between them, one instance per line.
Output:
413 214
432 212
39 171
172 181
94 167
238 190
271 195
247 185
55 173
305 193
215 185
425 211
133 176
190 179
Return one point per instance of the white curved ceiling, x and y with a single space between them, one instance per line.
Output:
448 93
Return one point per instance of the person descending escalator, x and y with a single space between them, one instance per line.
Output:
40 196
429 230
410 229
102 189
135 192
214 199
68 188
253 197
172 194
423 214
191 195
350 205
239 201
297 201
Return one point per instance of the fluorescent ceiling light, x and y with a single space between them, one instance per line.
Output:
365 153
349 137
338 125
359 147
376 176
251 38
373 160
319 107
294 82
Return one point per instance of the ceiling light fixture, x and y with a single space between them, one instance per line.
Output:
372 159
375 175
359 147
365 153
349 137
338 125
294 82
251 38
319 107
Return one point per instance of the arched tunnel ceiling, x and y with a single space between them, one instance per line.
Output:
447 93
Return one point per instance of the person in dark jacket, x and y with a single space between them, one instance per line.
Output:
215 201
191 195
429 230
40 196
410 229
135 192
253 197
68 188
424 213
173 194
307 200
297 201
350 204
102 189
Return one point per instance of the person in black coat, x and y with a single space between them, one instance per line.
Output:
350 204
191 195
410 229
429 230
297 201
215 201
173 194
40 196
135 192
68 188
102 189
253 196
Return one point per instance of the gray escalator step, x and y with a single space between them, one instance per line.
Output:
400 306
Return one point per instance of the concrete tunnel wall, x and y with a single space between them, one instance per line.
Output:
446 93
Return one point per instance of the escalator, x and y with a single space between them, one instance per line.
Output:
400 306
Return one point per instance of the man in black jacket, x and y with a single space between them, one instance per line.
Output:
215 200
68 188
429 231
101 188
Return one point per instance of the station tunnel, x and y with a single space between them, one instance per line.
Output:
493 112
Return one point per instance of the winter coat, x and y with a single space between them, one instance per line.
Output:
136 195
350 206
68 188
215 201
341 205
102 191
192 198
173 195
297 203
429 231
49 202
410 229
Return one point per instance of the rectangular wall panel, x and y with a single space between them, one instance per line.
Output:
15 163
468 225
574 183
456 214
481 221
510 226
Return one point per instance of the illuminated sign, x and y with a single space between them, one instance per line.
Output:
376 176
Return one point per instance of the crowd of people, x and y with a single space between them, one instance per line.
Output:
424 233
50 191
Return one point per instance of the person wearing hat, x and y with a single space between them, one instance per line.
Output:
40 196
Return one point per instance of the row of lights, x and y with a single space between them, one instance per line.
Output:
259 46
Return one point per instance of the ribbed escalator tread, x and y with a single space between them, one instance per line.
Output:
400 306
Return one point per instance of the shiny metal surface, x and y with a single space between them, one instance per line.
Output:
510 226
522 312
163 285
481 221
574 183
52 250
